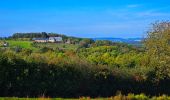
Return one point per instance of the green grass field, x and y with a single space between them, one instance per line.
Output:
28 45
22 44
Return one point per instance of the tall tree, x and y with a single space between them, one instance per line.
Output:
157 45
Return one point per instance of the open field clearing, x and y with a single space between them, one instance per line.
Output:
22 44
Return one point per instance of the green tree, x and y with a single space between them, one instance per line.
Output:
103 43
157 45
86 42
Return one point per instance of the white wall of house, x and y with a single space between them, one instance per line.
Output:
51 39
58 39
55 39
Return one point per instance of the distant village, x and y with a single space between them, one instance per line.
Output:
42 40
50 39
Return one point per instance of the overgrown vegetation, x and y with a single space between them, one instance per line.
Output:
117 97
86 68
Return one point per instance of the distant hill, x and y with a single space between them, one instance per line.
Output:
132 41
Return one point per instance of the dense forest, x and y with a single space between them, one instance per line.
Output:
93 68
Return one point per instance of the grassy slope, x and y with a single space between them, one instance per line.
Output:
22 44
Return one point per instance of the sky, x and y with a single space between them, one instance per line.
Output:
82 18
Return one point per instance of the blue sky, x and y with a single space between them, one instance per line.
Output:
82 18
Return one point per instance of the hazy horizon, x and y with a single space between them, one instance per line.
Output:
85 18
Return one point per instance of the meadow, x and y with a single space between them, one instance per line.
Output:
22 44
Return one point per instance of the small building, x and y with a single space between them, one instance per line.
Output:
40 40
55 39
68 41
5 44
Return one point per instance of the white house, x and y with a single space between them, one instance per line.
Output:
5 44
55 39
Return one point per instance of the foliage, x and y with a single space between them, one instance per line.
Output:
86 67
55 46
158 48
64 74
86 42
112 55
22 44
116 97
102 43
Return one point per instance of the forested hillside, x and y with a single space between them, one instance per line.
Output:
85 67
